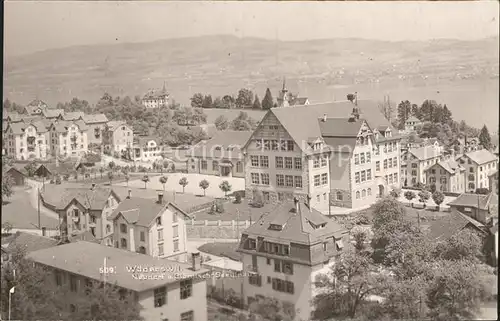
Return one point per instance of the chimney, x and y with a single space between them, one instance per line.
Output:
196 261
296 202
356 98
324 117
160 198
129 194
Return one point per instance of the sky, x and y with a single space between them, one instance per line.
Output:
33 26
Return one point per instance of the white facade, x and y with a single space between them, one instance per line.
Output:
31 144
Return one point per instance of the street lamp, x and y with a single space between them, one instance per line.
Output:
11 291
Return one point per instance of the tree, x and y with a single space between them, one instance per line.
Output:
204 185
245 98
207 102
243 122
183 182
225 187
218 103
404 112
482 191
386 210
163 180
31 168
395 192
423 196
351 97
145 179
360 238
110 177
272 309
447 115
485 138
432 188
268 101
466 245
438 198
347 286
111 165
197 100
256 103
228 102
7 186
221 123
427 110
6 227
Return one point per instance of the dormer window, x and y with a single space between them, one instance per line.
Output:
276 227
339 244
217 148
158 221
252 244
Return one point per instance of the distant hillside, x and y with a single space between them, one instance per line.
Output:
223 64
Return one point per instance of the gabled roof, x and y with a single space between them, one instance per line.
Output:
73 115
143 140
85 258
17 128
425 153
52 113
141 211
339 127
481 156
449 225
297 101
223 139
114 124
19 169
13 117
297 226
40 126
95 118
473 200
37 103
450 165
93 199
30 242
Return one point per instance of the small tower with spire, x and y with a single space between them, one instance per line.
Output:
283 96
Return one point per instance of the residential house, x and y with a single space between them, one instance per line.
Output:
35 107
479 165
156 99
415 162
147 149
25 141
309 159
155 227
52 113
18 175
162 296
118 137
447 175
68 138
72 116
412 123
96 124
220 156
493 181
283 251
476 206
84 209
286 98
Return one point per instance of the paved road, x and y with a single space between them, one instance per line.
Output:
34 200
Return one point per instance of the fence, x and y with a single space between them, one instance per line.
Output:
232 223
215 229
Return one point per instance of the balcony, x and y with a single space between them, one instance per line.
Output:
252 269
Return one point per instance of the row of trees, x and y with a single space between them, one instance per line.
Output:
242 122
245 99
438 123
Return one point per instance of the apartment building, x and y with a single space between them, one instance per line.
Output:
447 175
284 161
412 123
156 98
118 137
329 143
147 149
415 162
25 141
220 156
84 209
68 138
52 113
155 227
72 116
96 124
478 164
284 250
166 297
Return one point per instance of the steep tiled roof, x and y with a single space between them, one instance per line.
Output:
86 258
81 124
425 153
17 128
73 115
13 117
339 127
447 226
60 197
481 156
155 94
140 211
52 113
450 165
40 126
472 200
143 140
224 140
95 118
30 242
114 124
296 225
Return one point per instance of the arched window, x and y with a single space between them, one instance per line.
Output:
471 177
123 228
357 195
363 193
339 196
369 192
123 243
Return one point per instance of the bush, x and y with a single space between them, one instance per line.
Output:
362 219
258 199
58 180
66 177
237 198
